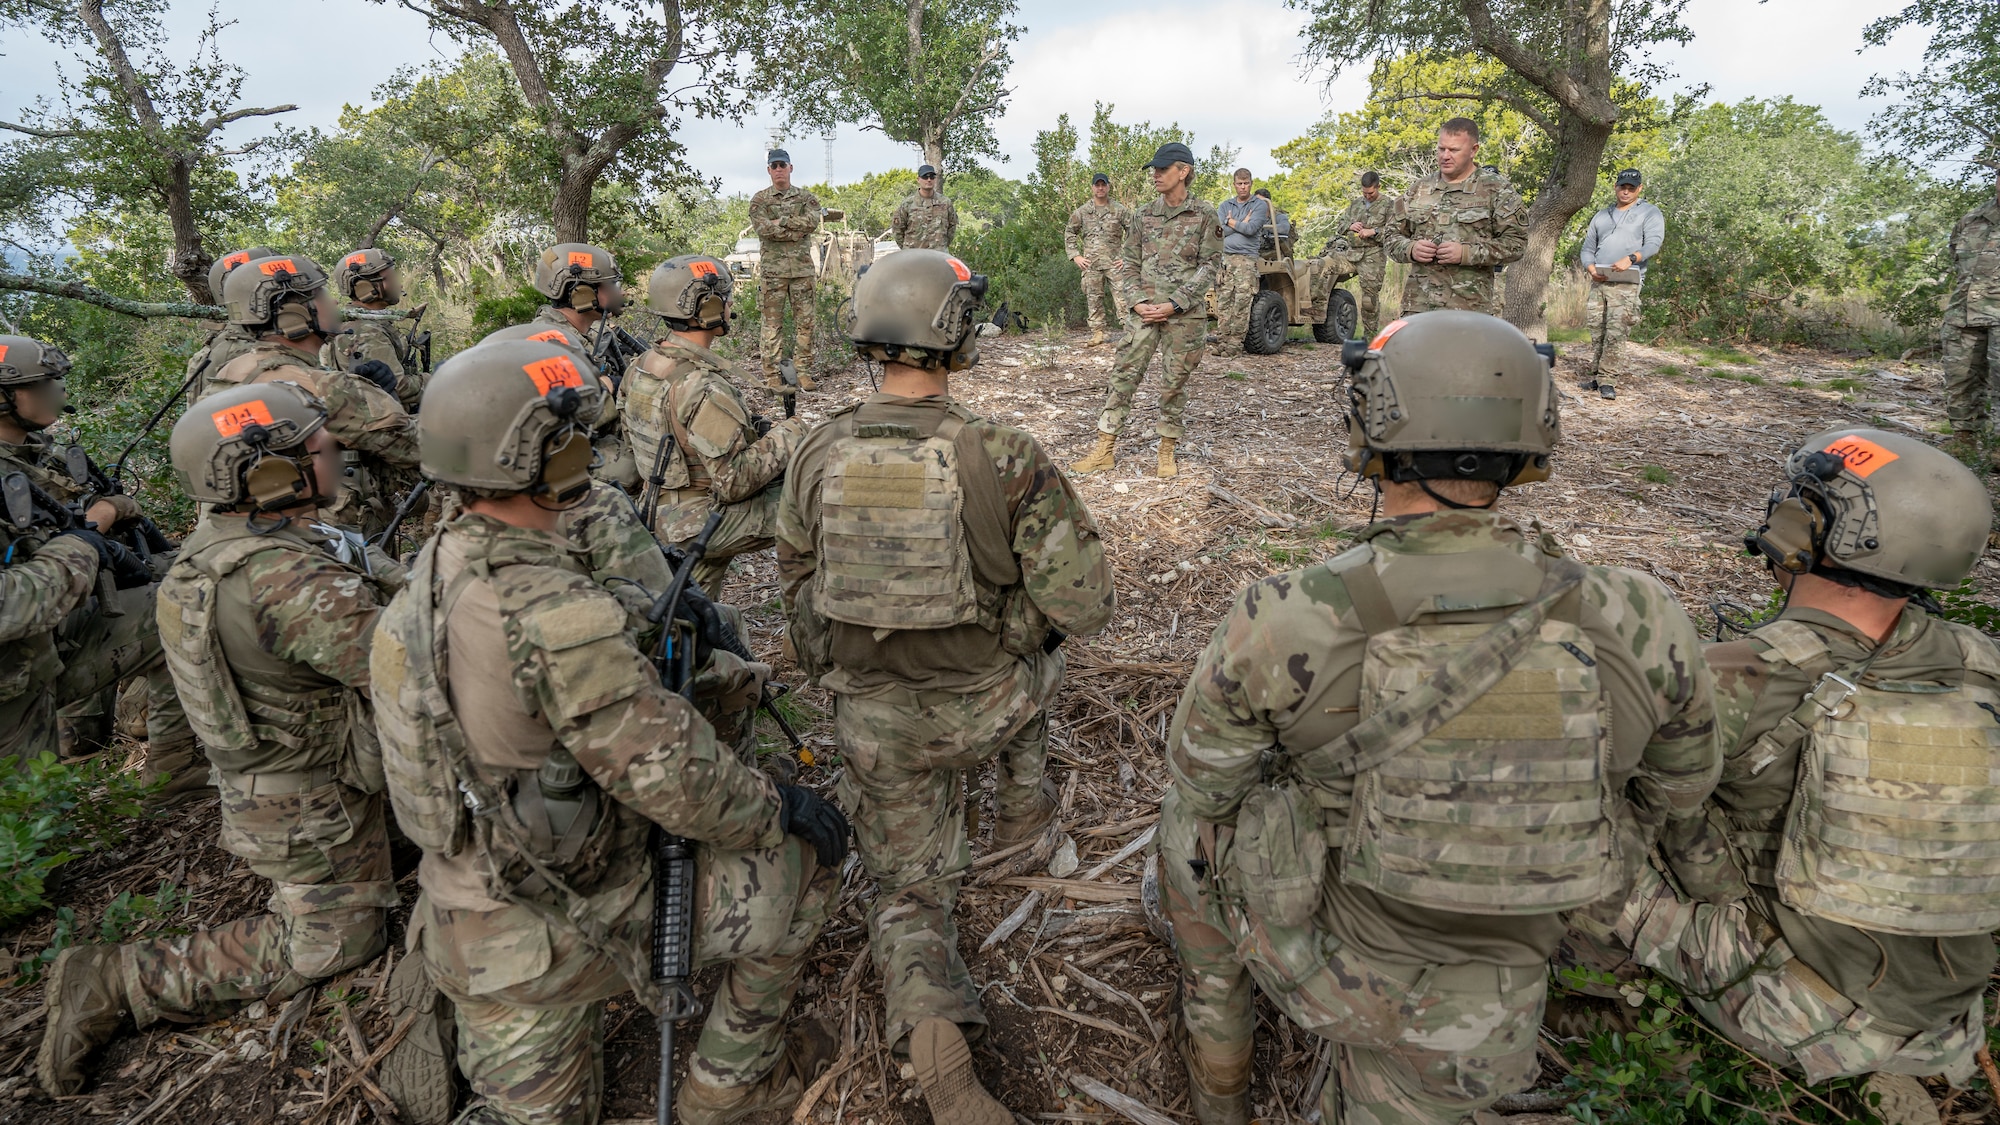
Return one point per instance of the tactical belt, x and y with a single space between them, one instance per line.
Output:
277 783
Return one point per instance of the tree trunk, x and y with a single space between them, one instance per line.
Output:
1572 180
934 150
572 204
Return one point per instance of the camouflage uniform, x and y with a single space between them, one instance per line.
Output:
1374 259
1170 254
45 590
924 224
1480 211
1096 233
378 438
542 660
1798 990
609 538
1433 1012
785 222
607 434
223 346
91 648
1971 346
917 708
267 634
369 338
717 460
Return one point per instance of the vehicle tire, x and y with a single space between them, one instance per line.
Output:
1269 321
1343 316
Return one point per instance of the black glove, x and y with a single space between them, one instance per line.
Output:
815 820
378 373
761 424
128 572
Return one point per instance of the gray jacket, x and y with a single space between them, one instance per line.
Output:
1250 219
1639 229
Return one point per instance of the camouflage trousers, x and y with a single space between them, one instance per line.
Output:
907 755
1610 311
1095 284
747 527
1235 288
1368 286
1412 1043
529 996
1971 375
1428 287
775 295
326 852
1739 975
1181 339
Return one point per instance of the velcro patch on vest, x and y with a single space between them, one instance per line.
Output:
883 486
885 430
575 624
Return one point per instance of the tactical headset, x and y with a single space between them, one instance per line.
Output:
1796 517
278 478
369 282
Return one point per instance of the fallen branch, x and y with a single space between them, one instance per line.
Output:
1264 515
361 1072
173 1096
1093 1021
1127 1106
1073 888
77 291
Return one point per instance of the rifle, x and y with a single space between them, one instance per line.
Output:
28 507
403 510
788 386
143 535
673 856
613 349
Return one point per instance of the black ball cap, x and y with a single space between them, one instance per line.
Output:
1629 176
1100 178
1169 154
777 156
926 172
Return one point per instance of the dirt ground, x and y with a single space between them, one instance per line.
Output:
1666 479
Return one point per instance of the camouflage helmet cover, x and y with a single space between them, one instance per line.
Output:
241 446
917 307
369 267
691 292
25 360
1436 395
223 266
1881 504
257 290
509 416
565 266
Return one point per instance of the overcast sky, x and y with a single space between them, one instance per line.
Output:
1229 72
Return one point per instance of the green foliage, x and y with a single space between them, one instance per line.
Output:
52 812
1963 606
1948 106
1655 474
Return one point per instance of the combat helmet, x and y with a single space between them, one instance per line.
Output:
1451 395
508 417
691 293
577 275
25 361
281 293
1889 508
223 266
244 448
917 307
542 332
364 276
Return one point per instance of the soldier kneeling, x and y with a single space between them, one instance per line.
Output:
1394 770
531 748
1835 907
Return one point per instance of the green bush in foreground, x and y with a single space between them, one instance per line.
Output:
52 812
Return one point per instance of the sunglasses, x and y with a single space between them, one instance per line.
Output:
779 164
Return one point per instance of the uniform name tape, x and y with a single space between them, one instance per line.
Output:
230 422
552 336
1388 330
1863 457
553 372
579 258
702 269
276 266
958 268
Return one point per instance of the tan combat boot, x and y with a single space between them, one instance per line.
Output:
85 1002
418 1072
806 382
1011 830
1168 468
943 1062
1904 1101
809 1049
1096 338
1100 458
1218 1078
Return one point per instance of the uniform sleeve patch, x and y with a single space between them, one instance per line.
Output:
577 623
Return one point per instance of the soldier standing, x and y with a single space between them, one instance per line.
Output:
506 679
1971 342
231 340
1094 238
370 279
1362 224
1243 221
284 303
928 558
585 290
1618 246
57 645
1454 227
265 619
1394 770
1813 927
1169 261
702 449
785 218
924 220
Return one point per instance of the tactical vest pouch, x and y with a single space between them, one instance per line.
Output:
647 401
1481 757
208 693
892 541
423 789
1278 858
1895 822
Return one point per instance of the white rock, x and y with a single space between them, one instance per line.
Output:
1064 863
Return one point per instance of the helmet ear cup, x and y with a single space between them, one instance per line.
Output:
1791 535
583 297
277 481
296 320
366 289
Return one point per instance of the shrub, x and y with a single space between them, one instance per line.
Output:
52 812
